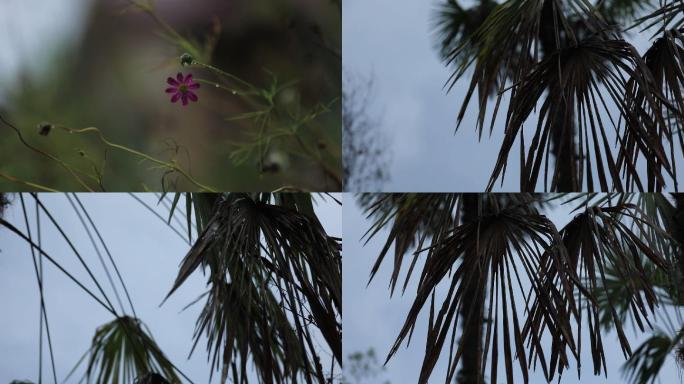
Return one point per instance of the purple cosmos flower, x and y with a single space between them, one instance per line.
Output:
181 88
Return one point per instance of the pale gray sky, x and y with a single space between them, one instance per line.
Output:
147 253
373 320
32 30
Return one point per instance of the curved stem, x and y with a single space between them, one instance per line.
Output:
224 73
49 156
170 165
27 183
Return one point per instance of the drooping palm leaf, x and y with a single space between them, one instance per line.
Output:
513 250
660 105
505 244
583 85
122 352
454 25
508 42
274 277
645 364
669 15
598 240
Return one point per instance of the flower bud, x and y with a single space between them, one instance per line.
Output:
44 128
186 59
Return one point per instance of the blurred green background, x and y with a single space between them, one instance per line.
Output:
79 63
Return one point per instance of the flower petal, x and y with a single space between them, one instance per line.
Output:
191 96
175 97
188 78
184 98
171 90
193 86
171 81
179 77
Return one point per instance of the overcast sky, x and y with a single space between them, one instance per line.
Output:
373 320
393 43
147 253
30 32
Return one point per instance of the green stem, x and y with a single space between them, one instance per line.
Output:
224 73
332 173
49 156
170 165
27 183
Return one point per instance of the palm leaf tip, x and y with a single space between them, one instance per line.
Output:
152 378
122 350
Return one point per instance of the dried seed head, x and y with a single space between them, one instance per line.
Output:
44 128
274 162
186 59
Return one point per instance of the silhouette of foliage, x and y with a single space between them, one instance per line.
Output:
511 249
364 148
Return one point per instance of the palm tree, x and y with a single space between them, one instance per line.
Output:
273 290
520 287
569 62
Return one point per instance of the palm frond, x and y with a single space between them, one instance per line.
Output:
509 41
122 351
509 250
506 243
645 364
274 275
575 80
668 16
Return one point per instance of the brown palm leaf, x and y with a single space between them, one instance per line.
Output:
505 244
275 280
583 83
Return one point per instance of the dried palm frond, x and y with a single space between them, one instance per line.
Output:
660 104
505 243
597 240
509 41
274 278
583 84
510 249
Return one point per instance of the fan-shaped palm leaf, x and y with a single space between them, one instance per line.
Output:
512 250
645 364
503 243
572 78
122 352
